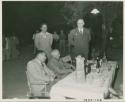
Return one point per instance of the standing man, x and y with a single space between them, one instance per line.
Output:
79 39
43 40
55 40
14 45
62 42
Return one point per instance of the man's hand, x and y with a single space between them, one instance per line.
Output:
52 78
68 71
69 66
73 67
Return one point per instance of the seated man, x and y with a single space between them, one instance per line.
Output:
57 65
39 73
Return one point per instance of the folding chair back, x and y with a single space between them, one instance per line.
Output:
29 94
30 90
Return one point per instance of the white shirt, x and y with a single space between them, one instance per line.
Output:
80 30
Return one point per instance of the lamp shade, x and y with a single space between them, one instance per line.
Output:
95 11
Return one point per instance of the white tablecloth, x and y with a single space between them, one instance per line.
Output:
70 87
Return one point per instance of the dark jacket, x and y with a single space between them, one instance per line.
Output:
79 41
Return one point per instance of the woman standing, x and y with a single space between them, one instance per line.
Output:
44 40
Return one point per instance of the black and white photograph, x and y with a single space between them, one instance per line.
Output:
66 50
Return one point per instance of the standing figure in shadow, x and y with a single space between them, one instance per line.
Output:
14 45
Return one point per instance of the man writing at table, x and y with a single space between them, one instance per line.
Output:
57 65
39 73
79 40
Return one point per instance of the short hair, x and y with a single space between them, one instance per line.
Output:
53 52
43 24
80 19
38 52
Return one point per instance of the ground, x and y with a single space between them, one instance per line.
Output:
14 76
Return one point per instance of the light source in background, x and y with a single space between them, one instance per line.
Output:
95 11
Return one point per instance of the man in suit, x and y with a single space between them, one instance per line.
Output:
62 43
79 39
44 40
57 65
38 73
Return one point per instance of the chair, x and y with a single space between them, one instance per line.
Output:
30 94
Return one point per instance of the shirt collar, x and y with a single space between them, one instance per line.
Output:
80 29
44 33
37 60
55 59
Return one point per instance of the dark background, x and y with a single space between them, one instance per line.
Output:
24 18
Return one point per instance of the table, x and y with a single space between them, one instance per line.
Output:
69 87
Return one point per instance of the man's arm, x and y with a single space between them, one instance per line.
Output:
56 68
50 72
70 41
36 41
40 77
70 38
89 35
51 39
67 65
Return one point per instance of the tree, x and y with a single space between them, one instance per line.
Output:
109 11
74 10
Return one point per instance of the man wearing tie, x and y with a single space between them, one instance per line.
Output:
79 39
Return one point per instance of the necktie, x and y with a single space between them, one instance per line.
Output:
44 68
81 32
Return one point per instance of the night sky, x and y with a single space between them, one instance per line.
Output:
24 18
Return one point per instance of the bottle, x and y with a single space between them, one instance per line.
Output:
98 62
85 66
98 65
104 58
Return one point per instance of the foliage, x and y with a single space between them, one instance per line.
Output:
74 10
